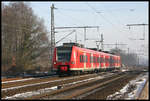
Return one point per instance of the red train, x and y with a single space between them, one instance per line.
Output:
71 59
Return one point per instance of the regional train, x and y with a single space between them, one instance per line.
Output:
72 58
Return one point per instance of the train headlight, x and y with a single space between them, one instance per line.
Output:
54 62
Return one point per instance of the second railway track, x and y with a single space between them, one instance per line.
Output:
79 89
71 87
13 88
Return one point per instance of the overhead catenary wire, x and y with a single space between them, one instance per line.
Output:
65 37
73 18
67 17
103 17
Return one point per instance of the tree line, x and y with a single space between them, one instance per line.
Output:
25 43
128 59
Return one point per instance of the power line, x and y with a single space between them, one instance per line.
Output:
85 27
102 16
69 17
65 36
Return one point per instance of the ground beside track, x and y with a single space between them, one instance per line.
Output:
112 88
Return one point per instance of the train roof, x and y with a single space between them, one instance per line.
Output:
81 47
95 51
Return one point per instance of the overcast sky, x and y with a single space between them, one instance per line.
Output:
112 17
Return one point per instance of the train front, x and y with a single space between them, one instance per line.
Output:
61 60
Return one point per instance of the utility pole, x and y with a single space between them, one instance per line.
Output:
139 25
52 36
76 36
101 41
84 35
128 50
84 27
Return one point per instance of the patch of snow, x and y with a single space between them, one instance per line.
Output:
36 84
39 83
18 80
131 90
27 94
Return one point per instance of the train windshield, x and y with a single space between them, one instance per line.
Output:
63 55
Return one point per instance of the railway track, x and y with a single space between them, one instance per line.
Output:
12 88
66 87
78 89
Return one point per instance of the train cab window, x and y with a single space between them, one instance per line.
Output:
63 54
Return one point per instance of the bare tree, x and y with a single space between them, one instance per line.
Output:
24 38
127 59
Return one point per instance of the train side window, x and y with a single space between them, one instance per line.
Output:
81 58
86 58
104 60
101 60
97 59
111 60
108 60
